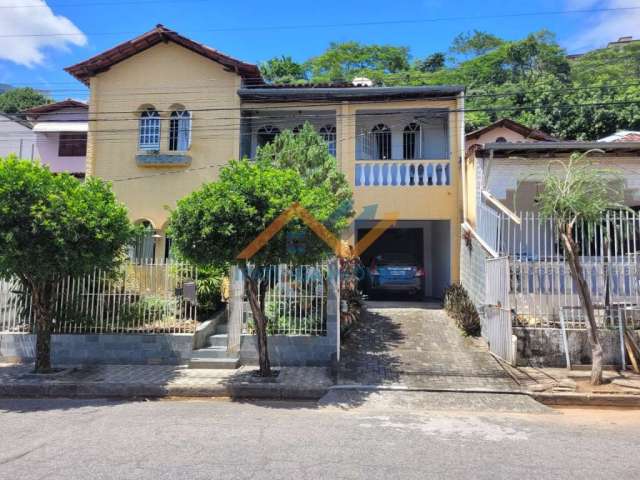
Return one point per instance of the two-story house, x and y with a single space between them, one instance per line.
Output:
166 113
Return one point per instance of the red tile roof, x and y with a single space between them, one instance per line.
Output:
83 71
629 137
523 130
52 107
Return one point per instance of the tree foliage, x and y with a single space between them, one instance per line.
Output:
345 61
282 69
53 226
474 43
16 100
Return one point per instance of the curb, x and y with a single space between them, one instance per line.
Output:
132 390
586 399
403 388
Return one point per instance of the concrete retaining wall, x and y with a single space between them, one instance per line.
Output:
290 351
171 349
544 346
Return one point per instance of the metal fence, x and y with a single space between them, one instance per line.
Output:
541 287
295 299
496 326
145 297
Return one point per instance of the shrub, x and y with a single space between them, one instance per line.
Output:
210 286
460 307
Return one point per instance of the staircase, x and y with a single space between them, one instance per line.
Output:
215 354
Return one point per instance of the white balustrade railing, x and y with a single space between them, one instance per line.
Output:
406 173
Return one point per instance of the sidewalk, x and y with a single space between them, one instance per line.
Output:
128 381
559 386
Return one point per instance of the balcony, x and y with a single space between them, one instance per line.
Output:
408 148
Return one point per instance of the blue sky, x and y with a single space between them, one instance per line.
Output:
29 55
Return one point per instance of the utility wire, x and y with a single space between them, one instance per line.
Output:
258 28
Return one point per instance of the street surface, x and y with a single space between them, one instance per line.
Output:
373 436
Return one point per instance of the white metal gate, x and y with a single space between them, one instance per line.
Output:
496 321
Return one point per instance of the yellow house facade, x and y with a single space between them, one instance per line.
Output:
166 113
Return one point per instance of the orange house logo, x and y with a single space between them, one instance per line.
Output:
339 248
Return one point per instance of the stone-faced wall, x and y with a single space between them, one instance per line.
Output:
544 347
174 349
299 351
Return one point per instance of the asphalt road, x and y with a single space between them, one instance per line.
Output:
97 439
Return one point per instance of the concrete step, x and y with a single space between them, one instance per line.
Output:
218 340
221 329
214 363
211 352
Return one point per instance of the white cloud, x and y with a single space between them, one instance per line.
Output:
34 17
603 27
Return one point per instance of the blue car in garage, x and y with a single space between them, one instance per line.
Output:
395 273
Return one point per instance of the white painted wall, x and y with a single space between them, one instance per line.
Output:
16 138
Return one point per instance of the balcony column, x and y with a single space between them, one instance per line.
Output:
346 152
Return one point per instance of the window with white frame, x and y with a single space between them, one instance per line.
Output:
381 141
267 134
411 142
180 130
328 133
149 130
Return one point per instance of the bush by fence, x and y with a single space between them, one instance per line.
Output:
460 307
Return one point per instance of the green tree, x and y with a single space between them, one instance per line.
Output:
581 192
432 63
51 227
347 60
475 43
212 225
282 70
18 99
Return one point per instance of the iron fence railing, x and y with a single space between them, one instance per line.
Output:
295 299
144 297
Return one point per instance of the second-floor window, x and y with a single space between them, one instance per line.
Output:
411 142
381 142
72 145
267 134
149 130
180 131
328 133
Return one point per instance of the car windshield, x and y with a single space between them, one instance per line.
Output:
400 259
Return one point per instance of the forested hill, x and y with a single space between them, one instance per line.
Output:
530 80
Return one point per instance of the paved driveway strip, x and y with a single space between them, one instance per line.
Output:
417 346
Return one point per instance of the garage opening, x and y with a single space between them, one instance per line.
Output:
412 258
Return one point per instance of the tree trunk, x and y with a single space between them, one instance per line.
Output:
587 304
41 298
260 321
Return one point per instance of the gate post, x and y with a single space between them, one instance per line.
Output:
236 304
333 303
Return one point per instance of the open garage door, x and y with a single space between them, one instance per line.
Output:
414 257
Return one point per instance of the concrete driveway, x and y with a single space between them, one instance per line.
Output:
416 345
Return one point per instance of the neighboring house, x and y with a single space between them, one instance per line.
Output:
620 43
506 130
61 135
17 137
168 112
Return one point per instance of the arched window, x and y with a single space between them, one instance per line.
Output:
267 134
149 130
180 131
297 129
328 133
381 141
501 140
144 247
411 142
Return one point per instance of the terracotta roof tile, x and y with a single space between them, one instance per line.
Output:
83 71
